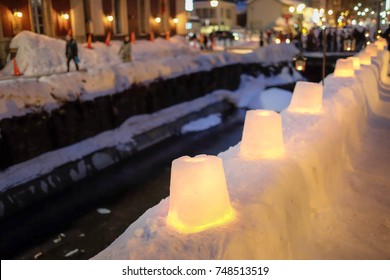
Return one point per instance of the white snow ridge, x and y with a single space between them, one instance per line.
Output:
327 197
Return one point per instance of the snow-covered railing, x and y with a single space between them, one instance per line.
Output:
285 205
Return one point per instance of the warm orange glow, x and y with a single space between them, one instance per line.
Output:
175 20
381 43
355 61
300 64
110 18
344 68
199 198
157 19
262 136
307 98
372 50
365 58
277 41
18 14
65 16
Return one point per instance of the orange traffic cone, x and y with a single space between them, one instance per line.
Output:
108 38
132 37
89 41
16 69
167 35
151 36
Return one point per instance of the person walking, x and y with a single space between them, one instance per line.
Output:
125 50
71 52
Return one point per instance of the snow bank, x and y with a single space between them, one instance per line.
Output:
327 198
202 124
42 57
272 54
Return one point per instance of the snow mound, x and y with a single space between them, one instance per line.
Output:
272 54
42 55
274 99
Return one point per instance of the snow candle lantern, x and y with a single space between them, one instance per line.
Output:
262 136
344 68
199 197
381 43
372 50
307 98
365 58
355 62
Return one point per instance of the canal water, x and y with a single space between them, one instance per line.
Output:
85 219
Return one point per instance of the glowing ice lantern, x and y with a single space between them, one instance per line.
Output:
307 98
365 58
355 61
344 68
381 43
372 50
262 136
199 197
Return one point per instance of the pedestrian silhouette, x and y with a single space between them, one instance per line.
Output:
71 52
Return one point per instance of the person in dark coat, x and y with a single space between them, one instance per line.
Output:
71 52
386 35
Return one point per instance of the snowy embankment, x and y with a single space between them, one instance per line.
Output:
328 197
39 55
34 94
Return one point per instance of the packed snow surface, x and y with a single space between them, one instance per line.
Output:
327 197
202 124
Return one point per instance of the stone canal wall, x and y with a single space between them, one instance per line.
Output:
27 136
24 138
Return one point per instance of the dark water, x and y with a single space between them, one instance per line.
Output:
69 220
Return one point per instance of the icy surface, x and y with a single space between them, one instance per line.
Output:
327 198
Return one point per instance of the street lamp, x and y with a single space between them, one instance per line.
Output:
214 3
300 63
349 45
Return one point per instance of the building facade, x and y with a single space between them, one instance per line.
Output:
221 17
57 18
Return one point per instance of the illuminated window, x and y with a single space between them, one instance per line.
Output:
228 13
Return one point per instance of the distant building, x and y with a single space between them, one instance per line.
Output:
56 17
262 14
222 17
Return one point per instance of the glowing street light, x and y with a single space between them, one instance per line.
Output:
330 12
18 14
214 3
65 16
300 8
110 18
175 20
157 19
291 9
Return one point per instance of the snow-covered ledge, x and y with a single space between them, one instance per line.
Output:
286 206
